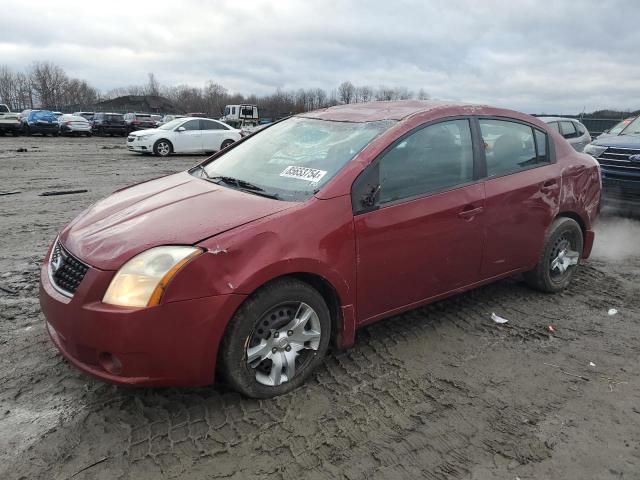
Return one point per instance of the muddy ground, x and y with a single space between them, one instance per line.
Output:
440 392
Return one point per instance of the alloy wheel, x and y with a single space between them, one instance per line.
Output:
283 342
563 256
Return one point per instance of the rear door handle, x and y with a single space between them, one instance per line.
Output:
470 211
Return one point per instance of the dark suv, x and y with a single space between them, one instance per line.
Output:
109 124
619 158
138 121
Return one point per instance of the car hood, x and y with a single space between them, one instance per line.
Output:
621 141
178 209
146 131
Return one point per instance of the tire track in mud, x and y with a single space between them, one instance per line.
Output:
365 414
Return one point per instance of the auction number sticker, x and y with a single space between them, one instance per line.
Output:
303 173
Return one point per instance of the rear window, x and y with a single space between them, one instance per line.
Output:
114 117
3 109
142 115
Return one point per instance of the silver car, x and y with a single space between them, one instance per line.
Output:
571 129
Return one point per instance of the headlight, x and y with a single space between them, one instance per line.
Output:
594 150
143 137
142 280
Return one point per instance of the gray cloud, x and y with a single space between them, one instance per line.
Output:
559 56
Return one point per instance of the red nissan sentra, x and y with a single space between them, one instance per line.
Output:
251 263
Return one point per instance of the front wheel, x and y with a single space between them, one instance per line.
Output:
276 339
162 148
225 144
560 257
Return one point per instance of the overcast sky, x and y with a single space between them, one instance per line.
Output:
552 56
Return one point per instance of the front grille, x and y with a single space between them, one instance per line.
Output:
66 271
615 163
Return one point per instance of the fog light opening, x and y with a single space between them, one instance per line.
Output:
110 363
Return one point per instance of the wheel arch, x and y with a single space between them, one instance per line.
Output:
324 287
173 150
574 216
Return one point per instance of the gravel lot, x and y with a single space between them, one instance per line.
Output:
440 392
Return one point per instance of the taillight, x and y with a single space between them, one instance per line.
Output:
68 122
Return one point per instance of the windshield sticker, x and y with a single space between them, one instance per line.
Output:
303 173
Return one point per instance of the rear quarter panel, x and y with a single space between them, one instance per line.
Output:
581 184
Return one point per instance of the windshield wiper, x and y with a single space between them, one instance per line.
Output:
242 185
237 182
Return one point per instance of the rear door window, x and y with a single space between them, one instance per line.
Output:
509 146
568 130
211 125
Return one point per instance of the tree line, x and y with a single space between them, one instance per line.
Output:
46 85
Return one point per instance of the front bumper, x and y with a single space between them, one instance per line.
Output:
172 344
621 193
11 126
144 146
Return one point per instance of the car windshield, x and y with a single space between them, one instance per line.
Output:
618 127
172 124
633 127
294 158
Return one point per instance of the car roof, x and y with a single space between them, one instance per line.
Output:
374 111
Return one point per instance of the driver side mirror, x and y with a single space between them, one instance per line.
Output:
181 129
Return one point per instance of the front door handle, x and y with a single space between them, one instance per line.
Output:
470 211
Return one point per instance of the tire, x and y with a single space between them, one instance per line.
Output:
225 144
162 148
278 306
564 235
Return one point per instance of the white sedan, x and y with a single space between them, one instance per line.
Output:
74 124
184 135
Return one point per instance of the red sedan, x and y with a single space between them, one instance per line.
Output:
251 263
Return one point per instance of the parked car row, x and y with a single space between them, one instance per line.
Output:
46 122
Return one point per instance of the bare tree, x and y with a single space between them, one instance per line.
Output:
49 82
346 92
364 94
384 93
153 87
423 95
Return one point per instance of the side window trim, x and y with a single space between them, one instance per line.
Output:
367 184
551 150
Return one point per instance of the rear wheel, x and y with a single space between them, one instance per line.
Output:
560 257
162 148
276 339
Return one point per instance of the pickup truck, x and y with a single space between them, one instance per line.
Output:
9 122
